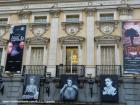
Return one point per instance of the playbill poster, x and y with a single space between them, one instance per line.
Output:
31 87
131 46
15 49
109 88
69 88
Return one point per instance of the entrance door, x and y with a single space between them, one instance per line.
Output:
71 59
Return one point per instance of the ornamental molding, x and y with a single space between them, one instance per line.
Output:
55 13
90 11
37 41
72 28
71 40
107 39
39 29
56 1
107 27
46 5
125 10
4 29
3 42
24 14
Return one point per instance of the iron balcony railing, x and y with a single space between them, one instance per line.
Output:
35 69
108 70
70 69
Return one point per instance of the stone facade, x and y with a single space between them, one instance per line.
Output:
56 35
13 87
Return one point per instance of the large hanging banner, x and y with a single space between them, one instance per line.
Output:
131 46
15 49
31 87
69 88
109 88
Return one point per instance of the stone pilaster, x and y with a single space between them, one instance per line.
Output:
53 42
90 39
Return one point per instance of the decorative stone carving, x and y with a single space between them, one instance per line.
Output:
23 14
39 29
55 13
90 11
4 29
108 39
125 10
90 3
37 40
123 1
3 42
72 28
107 27
71 40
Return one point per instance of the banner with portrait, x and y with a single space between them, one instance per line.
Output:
69 87
15 49
131 46
109 88
31 87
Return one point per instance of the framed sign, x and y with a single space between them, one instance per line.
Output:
15 49
109 88
69 88
31 87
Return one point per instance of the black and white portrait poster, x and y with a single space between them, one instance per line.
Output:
15 49
109 88
69 88
31 87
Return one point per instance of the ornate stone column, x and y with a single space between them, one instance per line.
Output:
90 40
53 42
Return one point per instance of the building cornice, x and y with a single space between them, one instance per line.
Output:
64 5
90 2
52 1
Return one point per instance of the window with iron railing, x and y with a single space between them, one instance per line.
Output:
3 21
72 18
40 19
107 17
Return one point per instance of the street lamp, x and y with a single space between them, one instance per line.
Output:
48 83
90 82
48 87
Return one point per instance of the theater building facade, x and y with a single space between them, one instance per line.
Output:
69 52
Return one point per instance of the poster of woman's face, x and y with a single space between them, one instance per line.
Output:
109 88
31 87
69 88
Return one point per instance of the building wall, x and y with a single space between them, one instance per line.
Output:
128 92
89 50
